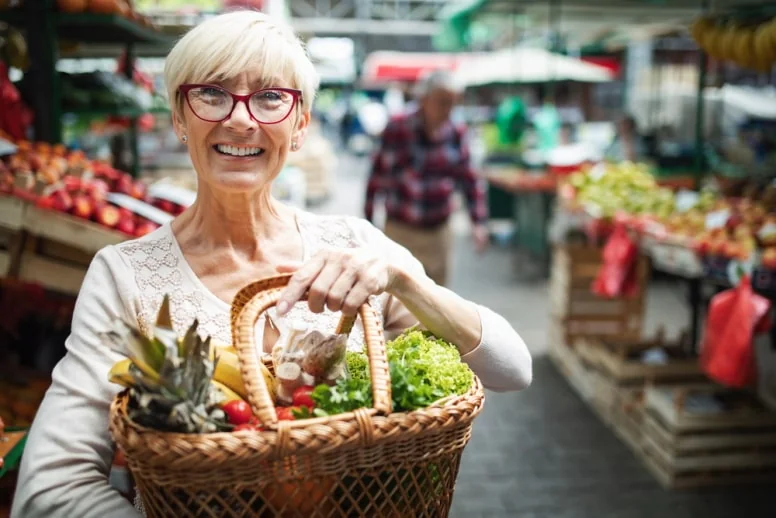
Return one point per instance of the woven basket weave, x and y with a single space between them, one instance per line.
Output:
366 463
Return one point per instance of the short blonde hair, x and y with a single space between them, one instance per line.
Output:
229 44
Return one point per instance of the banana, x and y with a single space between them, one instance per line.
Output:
228 372
120 375
229 394
744 48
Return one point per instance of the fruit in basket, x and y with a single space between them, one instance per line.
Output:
170 377
237 412
302 397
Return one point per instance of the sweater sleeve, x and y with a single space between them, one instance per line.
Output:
501 360
68 455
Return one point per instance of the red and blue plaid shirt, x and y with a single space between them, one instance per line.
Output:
418 176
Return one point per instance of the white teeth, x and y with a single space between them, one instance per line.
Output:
239 151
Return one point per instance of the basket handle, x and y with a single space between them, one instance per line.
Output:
256 298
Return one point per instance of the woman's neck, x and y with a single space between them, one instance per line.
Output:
236 222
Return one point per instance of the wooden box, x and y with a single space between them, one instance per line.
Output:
59 248
583 314
705 435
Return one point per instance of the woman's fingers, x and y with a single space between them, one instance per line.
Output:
340 289
321 286
299 283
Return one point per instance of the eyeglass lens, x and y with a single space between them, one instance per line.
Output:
215 104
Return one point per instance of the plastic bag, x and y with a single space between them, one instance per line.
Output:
735 316
303 356
617 275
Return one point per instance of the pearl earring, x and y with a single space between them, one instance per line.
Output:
293 146
185 139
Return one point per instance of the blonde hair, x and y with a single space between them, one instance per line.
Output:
228 44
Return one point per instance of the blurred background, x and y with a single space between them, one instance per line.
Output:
628 148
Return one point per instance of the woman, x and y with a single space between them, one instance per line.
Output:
241 88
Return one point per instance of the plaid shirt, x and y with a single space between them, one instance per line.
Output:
418 176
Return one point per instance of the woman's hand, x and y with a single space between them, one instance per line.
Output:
341 280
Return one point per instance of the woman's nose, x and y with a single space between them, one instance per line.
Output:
241 117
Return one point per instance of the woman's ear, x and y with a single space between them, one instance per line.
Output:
298 136
178 126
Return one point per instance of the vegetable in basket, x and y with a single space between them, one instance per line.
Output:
424 369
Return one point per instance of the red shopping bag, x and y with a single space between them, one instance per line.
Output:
735 316
617 275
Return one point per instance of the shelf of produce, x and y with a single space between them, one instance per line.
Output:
75 232
106 28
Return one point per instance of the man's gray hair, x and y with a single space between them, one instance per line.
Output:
437 80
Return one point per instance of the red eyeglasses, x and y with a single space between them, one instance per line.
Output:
213 103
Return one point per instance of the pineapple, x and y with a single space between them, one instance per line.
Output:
170 377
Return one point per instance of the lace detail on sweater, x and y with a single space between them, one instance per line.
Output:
158 270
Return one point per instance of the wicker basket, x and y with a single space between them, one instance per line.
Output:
367 463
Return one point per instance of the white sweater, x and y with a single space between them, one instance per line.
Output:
68 455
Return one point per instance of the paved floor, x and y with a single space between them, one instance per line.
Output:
541 453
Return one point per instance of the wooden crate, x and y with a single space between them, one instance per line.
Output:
705 435
12 212
59 248
574 268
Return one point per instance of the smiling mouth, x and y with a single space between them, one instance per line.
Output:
238 151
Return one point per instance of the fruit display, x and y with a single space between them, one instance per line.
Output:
66 181
739 224
115 7
748 45
190 385
609 188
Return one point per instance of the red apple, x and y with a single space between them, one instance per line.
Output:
97 189
124 185
127 214
83 207
45 202
107 215
145 227
165 205
126 225
139 190
62 201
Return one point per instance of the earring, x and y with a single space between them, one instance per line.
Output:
185 139
293 146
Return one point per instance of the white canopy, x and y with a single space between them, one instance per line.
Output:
526 65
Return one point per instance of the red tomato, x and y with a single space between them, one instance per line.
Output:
285 413
302 396
247 426
237 412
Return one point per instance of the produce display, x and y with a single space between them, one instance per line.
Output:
748 45
740 226
117 7
55 178
105 91
191 385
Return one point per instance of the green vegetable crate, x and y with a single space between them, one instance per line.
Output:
389 446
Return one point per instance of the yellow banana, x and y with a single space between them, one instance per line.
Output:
229 394
228 372
744 48
119 373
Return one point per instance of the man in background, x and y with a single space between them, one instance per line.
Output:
422 160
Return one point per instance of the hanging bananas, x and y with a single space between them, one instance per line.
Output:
748 46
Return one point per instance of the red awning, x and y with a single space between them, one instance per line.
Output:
385 67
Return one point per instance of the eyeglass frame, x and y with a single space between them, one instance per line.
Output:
184 89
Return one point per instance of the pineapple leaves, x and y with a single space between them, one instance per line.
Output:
163 318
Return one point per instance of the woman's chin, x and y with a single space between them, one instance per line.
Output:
240 181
